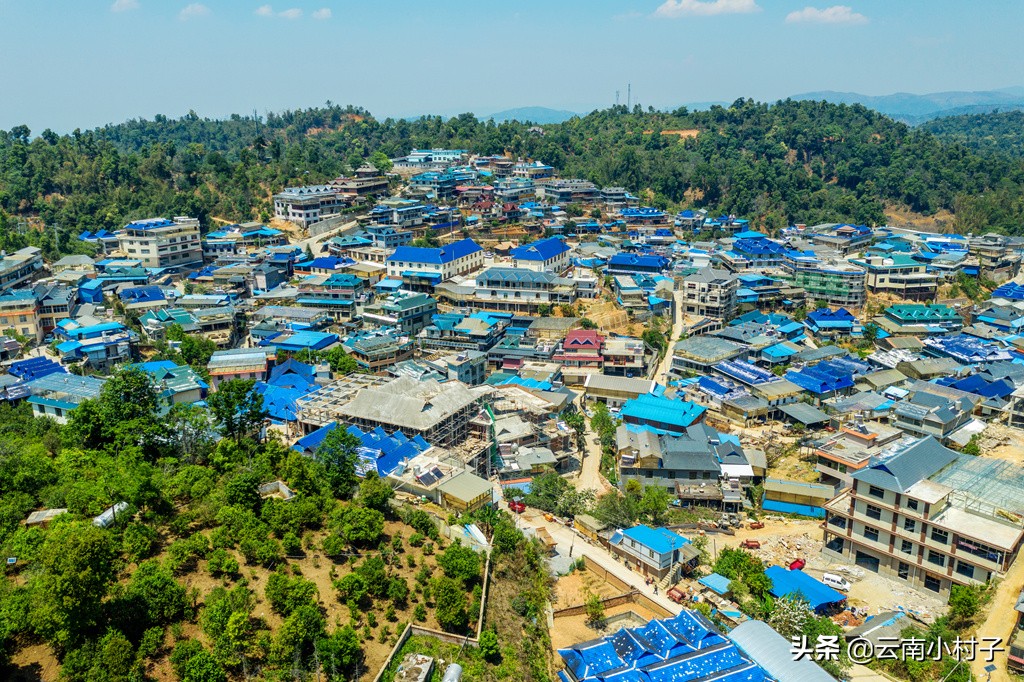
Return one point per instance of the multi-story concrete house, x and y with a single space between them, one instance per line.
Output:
899 275
551 255
307 205
162 243
19 267
518 290
929 517
710 293
422 268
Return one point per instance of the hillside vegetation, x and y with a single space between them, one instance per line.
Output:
999 133
776 164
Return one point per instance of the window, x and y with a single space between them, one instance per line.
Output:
873 512
965 569
904 571
932 583
936 558
940 536
912 504
871 534
875 491
907 547
910 525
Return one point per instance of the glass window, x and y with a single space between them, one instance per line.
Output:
965 569
871 534
940 536
912 504
875 491
873 512
932 583
904 571
936 558
907 547
910 525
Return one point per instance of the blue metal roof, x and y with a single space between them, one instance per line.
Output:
435 256
542 250
678 413
787 583
716 582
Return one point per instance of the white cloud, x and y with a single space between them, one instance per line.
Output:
837 14
196 9
293 13
672 9
323 13
124 5
265 11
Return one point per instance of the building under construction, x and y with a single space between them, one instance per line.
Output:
440 412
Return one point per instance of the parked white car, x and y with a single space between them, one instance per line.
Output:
836 582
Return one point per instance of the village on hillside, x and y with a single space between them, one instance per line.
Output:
694 419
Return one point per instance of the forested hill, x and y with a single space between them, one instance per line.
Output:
787 162
1000 132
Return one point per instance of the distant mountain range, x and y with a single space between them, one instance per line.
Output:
915 109
539 115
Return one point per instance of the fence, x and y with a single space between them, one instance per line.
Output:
447 637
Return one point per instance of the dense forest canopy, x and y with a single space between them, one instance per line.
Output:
998 132
773 163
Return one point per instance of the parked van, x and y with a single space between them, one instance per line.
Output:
836 581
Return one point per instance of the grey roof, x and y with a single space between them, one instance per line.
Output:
408 403
465 486
915 463
885 624
772 651
804 413
706 348
711 276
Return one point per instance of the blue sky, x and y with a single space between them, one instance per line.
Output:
82 63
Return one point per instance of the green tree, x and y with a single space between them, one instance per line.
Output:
595 610
381 162
76 570
358 525
341 362
339 455
450 604
286 594
374 492
238 408
460 562
489 647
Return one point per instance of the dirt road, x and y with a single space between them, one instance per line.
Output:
999 622
571 543
677 328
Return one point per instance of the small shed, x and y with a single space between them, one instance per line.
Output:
107 518
588 525
789 583
466 491
796 497
717 583
43 517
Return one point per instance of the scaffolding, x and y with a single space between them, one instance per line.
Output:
987 486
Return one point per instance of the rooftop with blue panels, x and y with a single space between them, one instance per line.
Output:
826 318
1011 291
967 350
821 379
149 224
745 373
379 450
35 368
685 648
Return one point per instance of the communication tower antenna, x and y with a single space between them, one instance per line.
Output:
629 95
